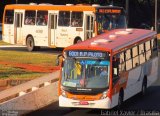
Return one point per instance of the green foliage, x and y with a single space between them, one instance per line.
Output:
28 57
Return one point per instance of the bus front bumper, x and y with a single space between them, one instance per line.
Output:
100 104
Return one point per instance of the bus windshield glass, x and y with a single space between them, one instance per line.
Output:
108 21
85 73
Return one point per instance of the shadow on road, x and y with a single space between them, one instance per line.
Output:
138 103
51 110
41 50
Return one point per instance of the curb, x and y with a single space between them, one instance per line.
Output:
6 83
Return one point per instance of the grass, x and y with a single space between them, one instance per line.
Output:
40 59
4 43
17 73
28 57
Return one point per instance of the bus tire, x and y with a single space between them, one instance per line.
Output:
120 99
77 40
30 43
144 86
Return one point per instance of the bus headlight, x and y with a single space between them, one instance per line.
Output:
104 95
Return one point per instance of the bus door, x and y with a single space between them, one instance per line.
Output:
88 26
52 29
18 28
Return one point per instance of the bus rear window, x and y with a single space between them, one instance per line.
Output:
9 17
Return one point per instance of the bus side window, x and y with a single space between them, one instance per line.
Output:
148 50
29 18
128 59
141 53
9 17
42 18
77 19
64 18
135 56
116 62
122 63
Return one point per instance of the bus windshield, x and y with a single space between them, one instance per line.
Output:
85 73
108 22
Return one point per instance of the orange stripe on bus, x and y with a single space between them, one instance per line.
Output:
54 7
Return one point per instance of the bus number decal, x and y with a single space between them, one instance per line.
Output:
39 31
64 32
86 54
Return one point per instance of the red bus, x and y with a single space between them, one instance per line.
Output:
106 70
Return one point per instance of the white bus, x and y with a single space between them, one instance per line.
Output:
36 25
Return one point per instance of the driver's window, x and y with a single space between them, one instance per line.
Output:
116 62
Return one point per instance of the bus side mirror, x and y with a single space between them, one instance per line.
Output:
59 60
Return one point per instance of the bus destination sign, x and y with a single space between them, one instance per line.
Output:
94 54
111 11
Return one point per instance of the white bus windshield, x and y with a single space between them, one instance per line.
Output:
110 21
85 73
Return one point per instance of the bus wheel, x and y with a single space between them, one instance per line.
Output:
120 99
144 87
30 43
77 40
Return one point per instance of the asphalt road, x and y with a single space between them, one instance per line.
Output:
148 105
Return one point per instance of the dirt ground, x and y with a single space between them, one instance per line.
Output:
8 83
30 67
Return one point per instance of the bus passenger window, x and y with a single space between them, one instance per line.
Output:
116 63
135 56
42 18
77 19
122 63
128 59
29 18
64 18
141 53
9 16
148 50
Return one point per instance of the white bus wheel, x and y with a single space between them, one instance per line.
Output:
30 43
77 40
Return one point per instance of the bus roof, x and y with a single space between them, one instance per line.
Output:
114 40
67 7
